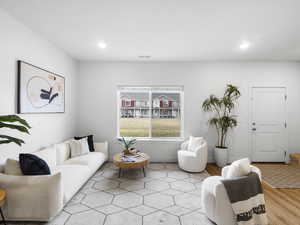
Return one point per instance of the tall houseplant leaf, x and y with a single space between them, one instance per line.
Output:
221 108
13 122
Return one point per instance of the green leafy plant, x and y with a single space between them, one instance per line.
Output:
127 144
223 119
16 123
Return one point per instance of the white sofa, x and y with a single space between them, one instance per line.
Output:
40 198
215 201
193 161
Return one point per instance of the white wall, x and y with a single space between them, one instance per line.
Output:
98 107
18 42
93 94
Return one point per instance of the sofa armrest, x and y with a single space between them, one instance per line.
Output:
102 147
256 170
215 201
213 185
225 171
41 196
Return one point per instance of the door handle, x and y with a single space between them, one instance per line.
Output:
254 129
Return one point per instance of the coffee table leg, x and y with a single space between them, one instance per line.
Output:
144 171
3 219
120 170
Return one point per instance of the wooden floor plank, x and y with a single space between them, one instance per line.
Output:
282 204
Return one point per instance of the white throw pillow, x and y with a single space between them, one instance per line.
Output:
79 147
63 152
239 168
12 167
48 155
194 143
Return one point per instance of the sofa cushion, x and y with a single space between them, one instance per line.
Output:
79 147
32 165
48 155
93 160
90 140
73 177
12 167
63 152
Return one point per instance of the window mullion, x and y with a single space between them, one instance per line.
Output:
181 114
150 114
119 112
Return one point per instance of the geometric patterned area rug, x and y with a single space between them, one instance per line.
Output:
166 196
280 175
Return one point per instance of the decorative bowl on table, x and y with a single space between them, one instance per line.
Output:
130 152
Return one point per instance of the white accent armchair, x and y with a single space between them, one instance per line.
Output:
193 161
215 201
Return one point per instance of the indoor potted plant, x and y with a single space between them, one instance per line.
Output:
128 145
222 119
16 123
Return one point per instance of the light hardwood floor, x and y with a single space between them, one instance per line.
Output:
283 205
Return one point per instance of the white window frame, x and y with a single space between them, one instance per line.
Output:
150 90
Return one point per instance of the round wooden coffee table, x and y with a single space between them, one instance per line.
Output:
2 201
140 162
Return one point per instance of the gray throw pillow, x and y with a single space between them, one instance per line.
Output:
79 147
12 167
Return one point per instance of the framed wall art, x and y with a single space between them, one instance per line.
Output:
39 90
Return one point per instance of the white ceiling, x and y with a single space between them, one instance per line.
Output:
167 30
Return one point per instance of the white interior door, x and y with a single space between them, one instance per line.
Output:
268 125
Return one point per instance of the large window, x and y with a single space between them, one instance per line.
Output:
150 112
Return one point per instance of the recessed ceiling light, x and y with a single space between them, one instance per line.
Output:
102 45
144 56
244 45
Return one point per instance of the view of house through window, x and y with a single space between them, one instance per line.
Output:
150 112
